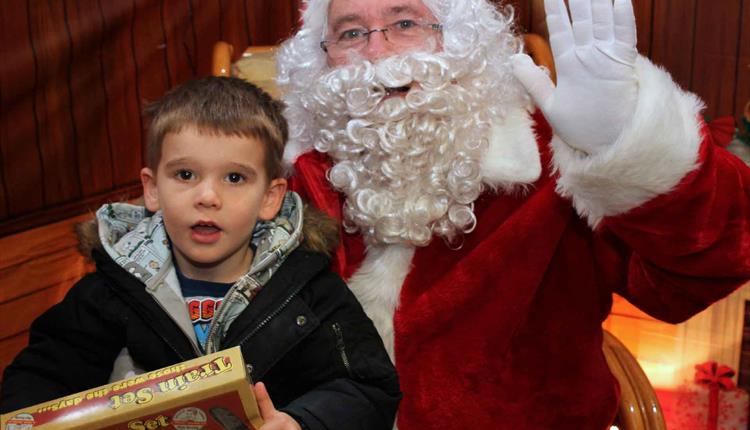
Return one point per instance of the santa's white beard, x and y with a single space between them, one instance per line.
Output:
408 165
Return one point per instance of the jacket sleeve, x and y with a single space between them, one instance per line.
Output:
363 392
71 348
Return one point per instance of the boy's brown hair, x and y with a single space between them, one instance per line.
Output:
220 105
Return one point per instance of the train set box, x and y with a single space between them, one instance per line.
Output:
210 392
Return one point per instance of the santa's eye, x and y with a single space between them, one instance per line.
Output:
352 35
404 24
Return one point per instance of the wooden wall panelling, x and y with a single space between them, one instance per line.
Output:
120 74
51 45
180 43
207 27
672 38
24 247
37 268
56 213
717 31
271 21
643 10
40 273
3 198
89 100
33 305
234 23
18 141
150 51
743 62
531 17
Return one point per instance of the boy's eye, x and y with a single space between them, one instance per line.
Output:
235 178
184 175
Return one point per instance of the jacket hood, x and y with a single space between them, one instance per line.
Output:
137 240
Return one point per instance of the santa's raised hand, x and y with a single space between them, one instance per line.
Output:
595 57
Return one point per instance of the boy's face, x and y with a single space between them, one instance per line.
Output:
211 190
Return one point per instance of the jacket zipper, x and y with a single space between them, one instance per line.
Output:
218 319
342 347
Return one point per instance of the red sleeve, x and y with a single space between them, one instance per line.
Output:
688 248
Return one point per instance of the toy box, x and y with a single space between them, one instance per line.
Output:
210 392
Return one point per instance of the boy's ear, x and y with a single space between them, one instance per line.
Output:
150 192
273 199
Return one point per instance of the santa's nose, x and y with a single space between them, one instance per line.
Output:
378 46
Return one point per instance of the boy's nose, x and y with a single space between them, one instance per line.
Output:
208 195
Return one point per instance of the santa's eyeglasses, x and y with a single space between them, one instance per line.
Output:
404 32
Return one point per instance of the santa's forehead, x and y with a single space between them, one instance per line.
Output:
377 8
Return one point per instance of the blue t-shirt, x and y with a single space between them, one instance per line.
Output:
203 299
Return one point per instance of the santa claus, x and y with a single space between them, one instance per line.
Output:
488 215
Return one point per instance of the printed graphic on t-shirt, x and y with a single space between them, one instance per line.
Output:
202 299
201 310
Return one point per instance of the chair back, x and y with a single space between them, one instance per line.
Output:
639 408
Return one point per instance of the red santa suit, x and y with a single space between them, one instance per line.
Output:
505 332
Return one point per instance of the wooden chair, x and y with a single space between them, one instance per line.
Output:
639 408
257 65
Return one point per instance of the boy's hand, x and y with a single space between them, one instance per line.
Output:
274 420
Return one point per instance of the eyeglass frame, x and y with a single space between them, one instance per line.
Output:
436 26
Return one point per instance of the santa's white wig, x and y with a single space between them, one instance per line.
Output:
408 165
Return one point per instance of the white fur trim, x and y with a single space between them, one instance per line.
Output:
512 156
654 152
377 285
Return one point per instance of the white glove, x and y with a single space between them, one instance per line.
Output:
596 83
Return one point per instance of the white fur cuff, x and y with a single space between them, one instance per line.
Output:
512 158
655 151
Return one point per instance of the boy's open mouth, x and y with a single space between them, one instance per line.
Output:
205 232
205 227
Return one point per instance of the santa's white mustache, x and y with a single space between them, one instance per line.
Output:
427 83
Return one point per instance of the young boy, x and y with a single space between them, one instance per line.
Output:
217 258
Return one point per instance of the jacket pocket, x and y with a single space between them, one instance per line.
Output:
275 337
